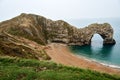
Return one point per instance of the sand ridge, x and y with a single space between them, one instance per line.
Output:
60 53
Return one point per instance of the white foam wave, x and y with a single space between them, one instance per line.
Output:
110 65
101 62
106 64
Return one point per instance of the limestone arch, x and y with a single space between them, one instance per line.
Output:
107 37
93 36
96 37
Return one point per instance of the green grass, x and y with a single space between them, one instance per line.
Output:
28 69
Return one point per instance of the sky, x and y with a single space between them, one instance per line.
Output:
61 9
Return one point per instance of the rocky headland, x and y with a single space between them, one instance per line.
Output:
23 34
43 30
28 36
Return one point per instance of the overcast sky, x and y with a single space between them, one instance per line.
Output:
61 9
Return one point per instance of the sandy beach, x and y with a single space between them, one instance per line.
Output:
60 53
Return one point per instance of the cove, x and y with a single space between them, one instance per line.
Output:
106 54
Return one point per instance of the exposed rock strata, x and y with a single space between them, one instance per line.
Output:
23 35
42 30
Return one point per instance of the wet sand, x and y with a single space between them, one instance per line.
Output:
61 54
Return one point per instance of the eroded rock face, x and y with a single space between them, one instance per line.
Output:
104 30
85 34
61 31
43 31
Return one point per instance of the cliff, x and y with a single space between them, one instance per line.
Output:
24 33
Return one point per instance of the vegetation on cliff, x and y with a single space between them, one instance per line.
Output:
19 34
26 35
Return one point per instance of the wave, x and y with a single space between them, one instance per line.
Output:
105 63
100 62
111 65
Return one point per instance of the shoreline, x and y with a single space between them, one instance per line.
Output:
99 62
61 54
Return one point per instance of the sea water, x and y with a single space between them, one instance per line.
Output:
107 54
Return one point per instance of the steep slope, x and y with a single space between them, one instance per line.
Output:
25 26
25 34
29 69
20 37
42 30
18 46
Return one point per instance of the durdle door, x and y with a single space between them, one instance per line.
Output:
43 30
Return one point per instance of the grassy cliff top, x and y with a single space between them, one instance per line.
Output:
12 68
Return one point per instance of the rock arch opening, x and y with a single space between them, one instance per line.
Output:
97 39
